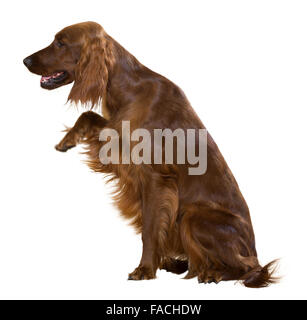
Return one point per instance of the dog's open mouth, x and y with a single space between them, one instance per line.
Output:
54 79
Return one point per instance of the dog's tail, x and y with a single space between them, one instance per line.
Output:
260 277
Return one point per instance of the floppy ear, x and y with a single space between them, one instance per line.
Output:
91 73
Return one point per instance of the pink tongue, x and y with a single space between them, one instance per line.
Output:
44 79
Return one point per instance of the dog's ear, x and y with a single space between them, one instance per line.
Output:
91 73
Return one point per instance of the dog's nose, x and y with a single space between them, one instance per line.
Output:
27 61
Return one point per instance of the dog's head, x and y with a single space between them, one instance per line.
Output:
78 53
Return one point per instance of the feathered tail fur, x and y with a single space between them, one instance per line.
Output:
260 277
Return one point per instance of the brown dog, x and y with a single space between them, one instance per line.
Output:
198 223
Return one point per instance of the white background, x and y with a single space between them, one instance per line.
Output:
243 66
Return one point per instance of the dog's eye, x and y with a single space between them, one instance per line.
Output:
59 44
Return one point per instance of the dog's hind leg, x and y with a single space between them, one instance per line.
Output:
87 125
219 244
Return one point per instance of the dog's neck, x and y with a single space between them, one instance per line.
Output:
125 77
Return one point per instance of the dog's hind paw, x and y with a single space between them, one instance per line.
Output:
175 265
210 277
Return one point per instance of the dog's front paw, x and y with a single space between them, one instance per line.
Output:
68 142
63 147
142 273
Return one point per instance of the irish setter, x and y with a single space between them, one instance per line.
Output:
195 223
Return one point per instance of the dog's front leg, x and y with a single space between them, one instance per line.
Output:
87 125
150 258
159 209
